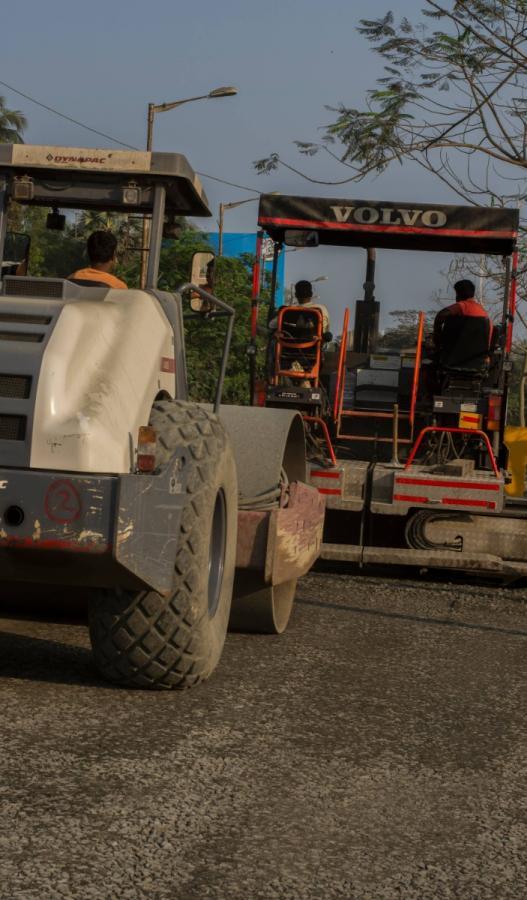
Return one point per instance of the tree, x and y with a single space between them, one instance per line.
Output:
453 98
12 124
403 334
204 337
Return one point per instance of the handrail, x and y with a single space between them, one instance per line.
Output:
327 438
417 369
342 363
215 301
470 431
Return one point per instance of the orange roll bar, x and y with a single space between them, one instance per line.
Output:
417 367
341 365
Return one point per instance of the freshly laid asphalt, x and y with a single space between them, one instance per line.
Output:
377 750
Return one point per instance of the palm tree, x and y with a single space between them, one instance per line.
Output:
12 124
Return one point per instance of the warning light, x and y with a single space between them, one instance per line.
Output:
23 188
132 194
494 413
146 449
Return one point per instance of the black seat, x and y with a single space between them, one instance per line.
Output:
299 337
299 327
88 282
464 344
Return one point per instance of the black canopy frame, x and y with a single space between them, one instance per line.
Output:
397 226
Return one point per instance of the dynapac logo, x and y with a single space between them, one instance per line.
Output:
75 159
371 215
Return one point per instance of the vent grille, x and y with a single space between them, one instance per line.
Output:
24 318
33 287
16 387
12 428
21 336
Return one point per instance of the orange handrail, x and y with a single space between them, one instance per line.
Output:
318 421
470 432
341 365
417 367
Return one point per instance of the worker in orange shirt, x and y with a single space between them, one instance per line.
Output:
101 247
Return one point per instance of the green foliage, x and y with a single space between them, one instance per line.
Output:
12 124
53 253
204 338
403 334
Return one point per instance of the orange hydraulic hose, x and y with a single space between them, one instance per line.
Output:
417 367
341 365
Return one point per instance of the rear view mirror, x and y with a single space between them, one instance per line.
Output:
202 274
296 238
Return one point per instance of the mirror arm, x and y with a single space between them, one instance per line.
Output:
229 311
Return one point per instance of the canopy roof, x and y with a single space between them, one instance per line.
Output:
403 226
88 178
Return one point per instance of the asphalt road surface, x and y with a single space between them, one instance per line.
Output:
376 750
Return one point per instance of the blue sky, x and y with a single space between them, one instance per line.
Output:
103 62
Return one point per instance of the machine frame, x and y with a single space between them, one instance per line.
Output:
383 511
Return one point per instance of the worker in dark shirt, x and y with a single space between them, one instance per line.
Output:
465 305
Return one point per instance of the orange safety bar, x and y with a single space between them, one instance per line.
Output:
468 431
282 341
341 365
417 367
318 421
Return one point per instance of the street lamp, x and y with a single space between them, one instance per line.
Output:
154 108
312 280
223 207
233 205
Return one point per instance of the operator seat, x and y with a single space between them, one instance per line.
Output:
299 338
89 282
463 358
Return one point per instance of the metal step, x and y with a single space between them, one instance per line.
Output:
438 559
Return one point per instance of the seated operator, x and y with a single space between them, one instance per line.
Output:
304 298
465 305
101 246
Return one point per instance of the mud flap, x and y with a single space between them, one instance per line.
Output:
283 543
148 521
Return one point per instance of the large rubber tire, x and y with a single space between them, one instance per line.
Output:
143 640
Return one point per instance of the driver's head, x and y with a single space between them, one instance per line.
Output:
464 289
102 246
303 291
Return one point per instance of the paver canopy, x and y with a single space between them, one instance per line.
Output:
403 226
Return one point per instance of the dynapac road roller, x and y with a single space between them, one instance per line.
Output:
109 477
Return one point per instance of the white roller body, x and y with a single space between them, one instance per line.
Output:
100 373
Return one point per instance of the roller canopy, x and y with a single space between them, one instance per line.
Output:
90 178
399 226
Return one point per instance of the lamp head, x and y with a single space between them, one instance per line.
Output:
223 92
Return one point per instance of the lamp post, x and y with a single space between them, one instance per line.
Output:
233 205
154 108
223 207
312 280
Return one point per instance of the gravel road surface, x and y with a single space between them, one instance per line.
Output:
377 750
